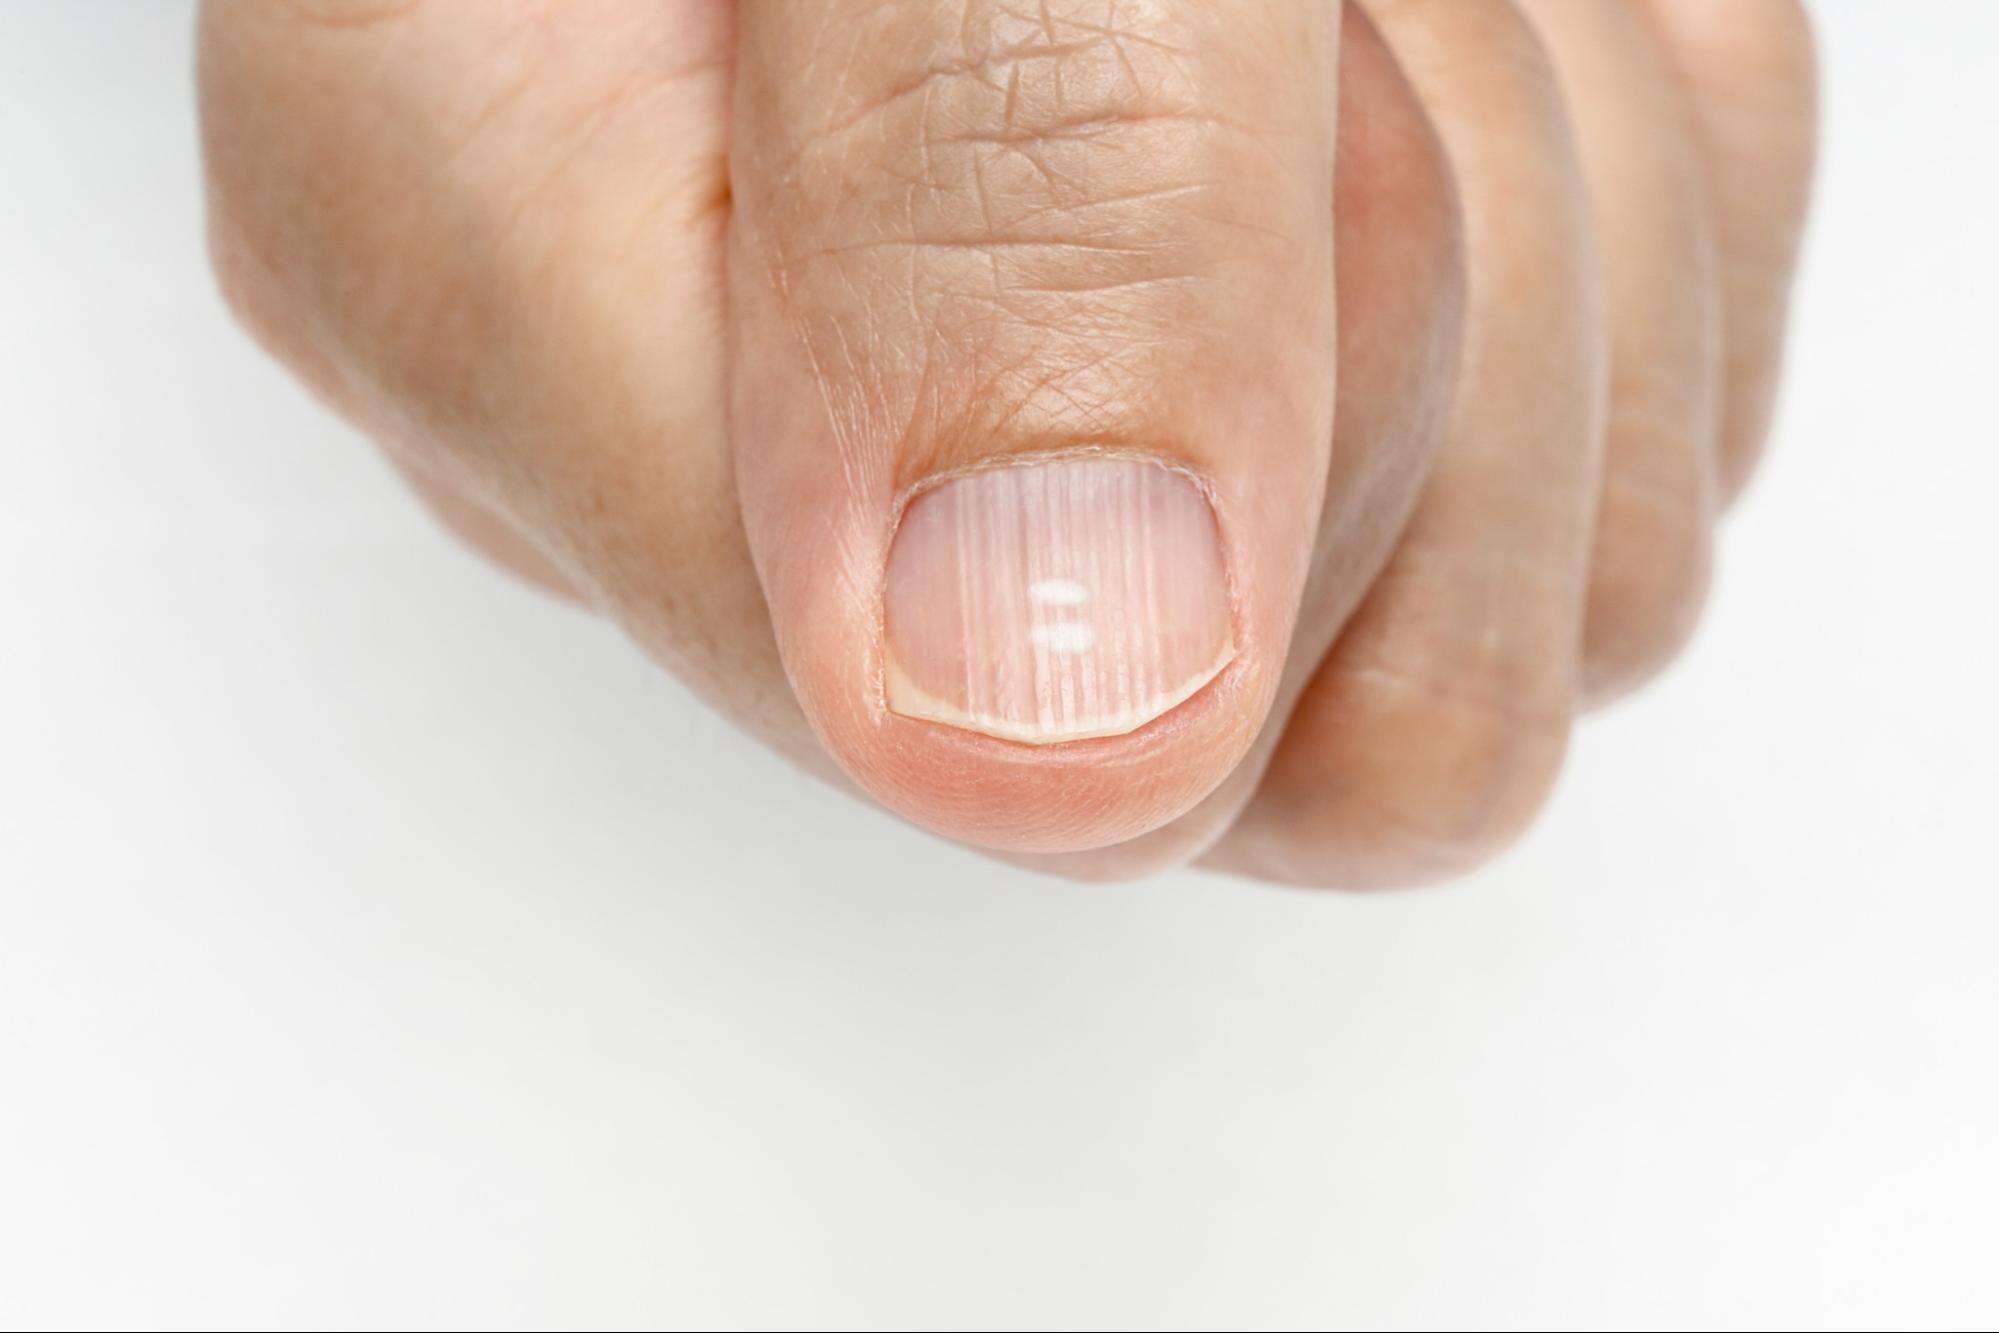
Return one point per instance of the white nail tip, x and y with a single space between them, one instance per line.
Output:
906 699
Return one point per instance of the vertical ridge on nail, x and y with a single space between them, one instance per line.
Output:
1055 599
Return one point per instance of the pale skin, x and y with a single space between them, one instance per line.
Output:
1462 320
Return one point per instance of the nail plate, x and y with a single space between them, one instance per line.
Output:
1055 599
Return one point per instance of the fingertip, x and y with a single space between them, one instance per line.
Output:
1046 656
1033 363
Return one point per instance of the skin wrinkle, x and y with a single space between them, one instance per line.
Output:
1019 402
1059 377
1061 390
1146 103
1092 288
1465 680
975 241
1514 564
980 68
951 71
348 14
1139 196
1668 497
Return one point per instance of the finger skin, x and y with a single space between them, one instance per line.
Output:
1400 288
963 237
491 236
1434 729
1655 237
497 374
1749 70
626 493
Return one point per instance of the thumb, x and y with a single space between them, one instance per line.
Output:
1032 359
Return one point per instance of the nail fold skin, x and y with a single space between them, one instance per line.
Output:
1055 599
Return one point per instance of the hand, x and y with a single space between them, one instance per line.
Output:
962 395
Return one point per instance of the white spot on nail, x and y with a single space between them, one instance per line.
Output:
1057 592
1065 636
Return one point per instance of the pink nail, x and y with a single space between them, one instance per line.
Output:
1055 599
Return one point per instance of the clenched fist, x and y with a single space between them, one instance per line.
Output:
1109 432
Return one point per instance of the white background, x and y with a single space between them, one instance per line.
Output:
380 944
